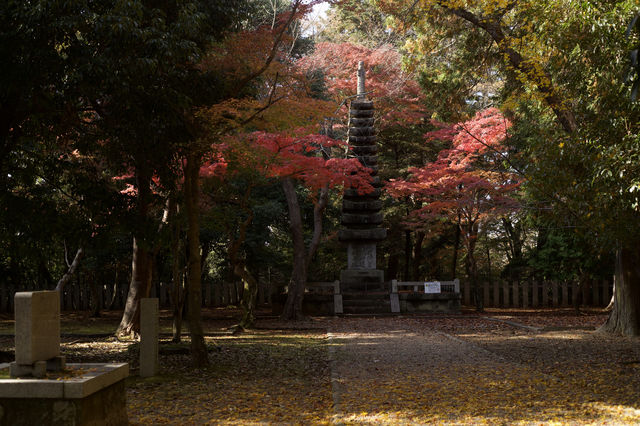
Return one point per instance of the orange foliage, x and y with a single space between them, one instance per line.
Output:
467 179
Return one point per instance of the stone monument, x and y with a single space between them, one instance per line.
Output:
43 389
361 216
37 316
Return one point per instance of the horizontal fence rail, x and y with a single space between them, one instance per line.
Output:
85 295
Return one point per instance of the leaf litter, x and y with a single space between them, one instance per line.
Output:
390 370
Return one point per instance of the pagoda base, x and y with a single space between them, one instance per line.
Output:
361 280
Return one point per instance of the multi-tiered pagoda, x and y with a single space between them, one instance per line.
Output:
361 216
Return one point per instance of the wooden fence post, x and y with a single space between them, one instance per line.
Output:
516 294
534 293
505 294
525 293
586 287
224 294
467 292
545 293
485 293
565 293
496 294
554 293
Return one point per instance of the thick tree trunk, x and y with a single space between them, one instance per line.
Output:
293 305
138 288
625 317
141 261
194 284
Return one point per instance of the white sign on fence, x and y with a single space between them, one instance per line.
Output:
432 287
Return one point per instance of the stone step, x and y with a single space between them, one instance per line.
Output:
370 309
365 295
366 302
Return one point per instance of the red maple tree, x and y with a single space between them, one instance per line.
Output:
300 156
467 184
397 95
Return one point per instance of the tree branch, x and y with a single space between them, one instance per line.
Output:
540 78
72 269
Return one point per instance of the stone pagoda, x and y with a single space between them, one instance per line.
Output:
361 216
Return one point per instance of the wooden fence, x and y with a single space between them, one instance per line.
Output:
83 296
540 294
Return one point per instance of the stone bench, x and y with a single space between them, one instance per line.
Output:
447 289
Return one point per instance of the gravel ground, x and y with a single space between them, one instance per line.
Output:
470 371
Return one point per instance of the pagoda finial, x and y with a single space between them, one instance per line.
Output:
361 73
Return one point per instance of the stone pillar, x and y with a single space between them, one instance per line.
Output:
361 214
37 322
149 330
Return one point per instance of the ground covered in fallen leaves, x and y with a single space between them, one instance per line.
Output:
498 367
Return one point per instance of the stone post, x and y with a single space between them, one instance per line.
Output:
149 331
37 316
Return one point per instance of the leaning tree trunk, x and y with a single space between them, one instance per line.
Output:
249 296
140 263
293 306
194 284
72 270
138 288
625 317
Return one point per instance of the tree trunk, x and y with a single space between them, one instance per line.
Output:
250 285
141 260
177 284
417 255
194 284
318 211
114 291
138 288
249 296
456 246
471 266
72 269
624 319
293 305
96 290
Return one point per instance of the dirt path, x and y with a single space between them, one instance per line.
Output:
409 371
